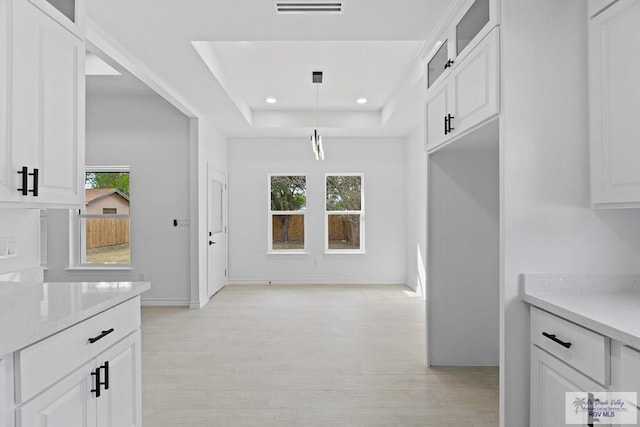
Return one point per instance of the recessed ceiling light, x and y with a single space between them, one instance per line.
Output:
362 100
271 100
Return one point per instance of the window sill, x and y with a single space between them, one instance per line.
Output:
287 253
338 252
100 268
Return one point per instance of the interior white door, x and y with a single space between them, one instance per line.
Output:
217 225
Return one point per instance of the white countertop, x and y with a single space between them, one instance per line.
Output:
30 312
607 304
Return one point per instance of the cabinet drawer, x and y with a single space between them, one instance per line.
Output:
588 352
41 364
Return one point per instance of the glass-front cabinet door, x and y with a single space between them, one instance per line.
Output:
469 26
472 22
66 7
68 13
437 64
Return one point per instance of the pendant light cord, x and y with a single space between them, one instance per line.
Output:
317 104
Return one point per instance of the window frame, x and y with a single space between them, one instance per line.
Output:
271 213
360 212
76 252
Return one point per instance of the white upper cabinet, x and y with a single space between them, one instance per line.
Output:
6 179
614 103
68 13
473 21
43 147
468 96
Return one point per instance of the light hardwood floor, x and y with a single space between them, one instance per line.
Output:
304 356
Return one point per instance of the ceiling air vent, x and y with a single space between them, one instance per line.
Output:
308 6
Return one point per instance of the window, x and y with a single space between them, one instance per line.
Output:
287 209
344 213
102 228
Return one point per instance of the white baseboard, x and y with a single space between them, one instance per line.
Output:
240 282
159 302
198 304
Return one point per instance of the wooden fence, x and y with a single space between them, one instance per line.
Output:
107 232
338 229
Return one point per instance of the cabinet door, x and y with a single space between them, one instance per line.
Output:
120 405
630 372
7 173
437 109
69 403
473 22
4 419
614 102
47 105
550 380
475 86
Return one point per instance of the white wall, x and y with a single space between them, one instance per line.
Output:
23 225
548 225
383 164
209 151
152 137
416 202
463 285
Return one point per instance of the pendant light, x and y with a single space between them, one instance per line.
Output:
316 139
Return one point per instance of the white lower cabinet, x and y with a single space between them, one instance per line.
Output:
88 375
120 405
102 393
566 357
550 380
4 419
69 403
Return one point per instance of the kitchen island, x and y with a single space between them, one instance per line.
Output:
70 354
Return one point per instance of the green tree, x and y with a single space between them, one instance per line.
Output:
288 193
344 193
119 180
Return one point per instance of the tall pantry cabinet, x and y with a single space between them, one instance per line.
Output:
42 108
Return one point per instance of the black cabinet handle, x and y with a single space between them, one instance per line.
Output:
98 383
99 337
553 338
446 125
448 64
106 375
24 172
34 189
449 122
211 243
